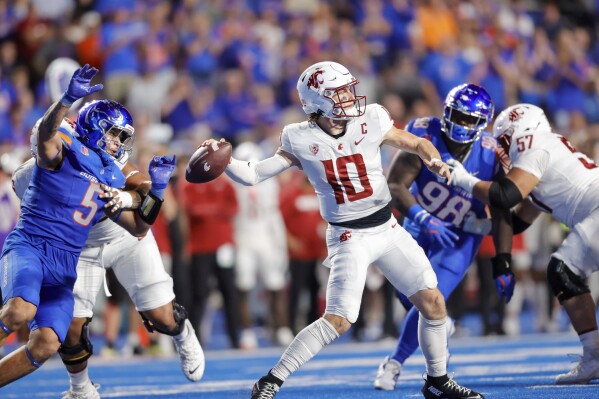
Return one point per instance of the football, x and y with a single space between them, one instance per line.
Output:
207 163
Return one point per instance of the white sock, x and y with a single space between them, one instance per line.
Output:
183 334
79 380
304 346
432 336
590 342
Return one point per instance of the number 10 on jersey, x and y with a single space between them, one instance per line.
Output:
341 178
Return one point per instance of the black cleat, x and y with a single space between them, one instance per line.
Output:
264 389
449 390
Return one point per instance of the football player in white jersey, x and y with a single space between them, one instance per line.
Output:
338 148
259 220
136 262
554 178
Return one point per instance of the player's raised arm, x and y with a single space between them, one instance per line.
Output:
251 173
405 140
49 143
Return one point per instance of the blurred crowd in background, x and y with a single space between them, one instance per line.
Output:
192 69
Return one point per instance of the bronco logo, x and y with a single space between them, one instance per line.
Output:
315 80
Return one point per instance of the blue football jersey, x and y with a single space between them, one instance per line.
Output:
62 205
451 204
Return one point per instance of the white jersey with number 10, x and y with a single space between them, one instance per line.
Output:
346 171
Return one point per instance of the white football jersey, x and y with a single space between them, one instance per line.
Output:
346 172
568 180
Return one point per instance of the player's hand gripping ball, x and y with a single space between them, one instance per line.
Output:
208 162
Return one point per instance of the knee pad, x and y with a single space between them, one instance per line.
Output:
564 283
180 315
71 355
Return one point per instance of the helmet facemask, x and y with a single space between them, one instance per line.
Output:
346 103
106 125
468 110
463 127
124 137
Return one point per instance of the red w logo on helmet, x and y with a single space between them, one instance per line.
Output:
313 80
515 114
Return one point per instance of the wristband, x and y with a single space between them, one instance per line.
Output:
149 208
417 213
67 100
502 264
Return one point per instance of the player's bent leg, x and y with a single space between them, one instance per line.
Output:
171 319
574 295
304 346
42 344
15 313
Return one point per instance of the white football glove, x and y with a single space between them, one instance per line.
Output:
116 199
460 176
475 225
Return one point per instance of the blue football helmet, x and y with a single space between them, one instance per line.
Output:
468 110
100 120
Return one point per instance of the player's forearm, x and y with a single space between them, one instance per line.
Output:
48 142
426 150
251 173
502 230
402 197
131 221
480 191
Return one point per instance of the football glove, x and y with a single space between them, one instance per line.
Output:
160 171
460 176
79 86
116 199
438 230
503 275
475 225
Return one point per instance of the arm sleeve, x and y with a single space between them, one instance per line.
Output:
251 173
534 161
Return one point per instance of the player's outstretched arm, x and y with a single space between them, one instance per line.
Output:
430 156
504 192
49 143
250 173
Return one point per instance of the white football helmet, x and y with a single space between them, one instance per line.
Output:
58 75
515 119
329 89
520 118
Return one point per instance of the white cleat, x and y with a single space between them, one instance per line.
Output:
191 354
387 374
586 369
89 392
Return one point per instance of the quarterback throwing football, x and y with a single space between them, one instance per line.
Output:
338 148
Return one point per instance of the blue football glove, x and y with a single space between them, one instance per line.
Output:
79 86
503 275
438 230
160 170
